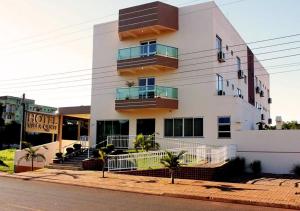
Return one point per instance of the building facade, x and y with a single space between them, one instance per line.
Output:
177 72
13 109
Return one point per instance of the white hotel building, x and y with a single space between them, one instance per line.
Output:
181 73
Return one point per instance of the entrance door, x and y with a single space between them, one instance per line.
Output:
145 126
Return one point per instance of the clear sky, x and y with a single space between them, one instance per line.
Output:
41 37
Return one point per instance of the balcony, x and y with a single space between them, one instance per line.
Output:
148 57
142 97
148 19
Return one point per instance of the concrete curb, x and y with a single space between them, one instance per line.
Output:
175 195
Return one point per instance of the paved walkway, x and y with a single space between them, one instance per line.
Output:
254 194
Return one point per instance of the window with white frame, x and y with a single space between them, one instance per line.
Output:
148 48
183 127
224 127
239 92
219 43
238 63
219 84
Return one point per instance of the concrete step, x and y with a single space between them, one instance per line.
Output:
64 167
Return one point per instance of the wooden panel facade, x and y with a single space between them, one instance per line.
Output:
155 62
147 19
146 103
251 89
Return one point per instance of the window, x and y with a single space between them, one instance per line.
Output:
219 83
256 81
148 48
238 63
245 79
224 127
146 88
232 87
184 127
218 44
260 84
227 83
178 125
239 92
115 127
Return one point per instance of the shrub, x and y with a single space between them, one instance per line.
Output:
59 155
69 150
77 147
96 153
255 166
110 148
237 166
296 170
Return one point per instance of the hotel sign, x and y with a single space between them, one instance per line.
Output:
41 123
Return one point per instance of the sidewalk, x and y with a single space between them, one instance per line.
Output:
252 194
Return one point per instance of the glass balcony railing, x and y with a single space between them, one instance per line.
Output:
146 92
147 50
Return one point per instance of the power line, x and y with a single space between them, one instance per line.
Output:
106 66
114 86
78 80
234 2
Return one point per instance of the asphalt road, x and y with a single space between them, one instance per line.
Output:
16 195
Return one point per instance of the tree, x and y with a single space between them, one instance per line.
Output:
292 125
103 157
145 143
172 162
32 154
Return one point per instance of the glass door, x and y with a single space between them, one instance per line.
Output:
148 48
146 88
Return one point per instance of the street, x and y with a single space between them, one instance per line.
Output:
17 195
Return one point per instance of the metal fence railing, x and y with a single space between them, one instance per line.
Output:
194 155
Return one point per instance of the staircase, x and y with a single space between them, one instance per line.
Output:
74 163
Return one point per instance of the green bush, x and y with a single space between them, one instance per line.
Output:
110 148
69 150
77 147
255 167
59 155
237 166
96 153
296 170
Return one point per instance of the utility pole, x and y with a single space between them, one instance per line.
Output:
22 133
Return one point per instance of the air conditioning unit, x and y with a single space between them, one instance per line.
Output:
261 94
221 56
240 74
257 89
221 92
262 117
269 121
269 100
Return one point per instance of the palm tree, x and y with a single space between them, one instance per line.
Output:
172 162
145 143
103 157
3 164
32 154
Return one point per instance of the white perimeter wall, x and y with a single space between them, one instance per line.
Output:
278 150
49 154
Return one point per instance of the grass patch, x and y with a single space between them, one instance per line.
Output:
7 156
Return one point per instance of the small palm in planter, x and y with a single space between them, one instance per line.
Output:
32 154
103 157
172 162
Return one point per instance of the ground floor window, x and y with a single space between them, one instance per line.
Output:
224 127
183 127
111 127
